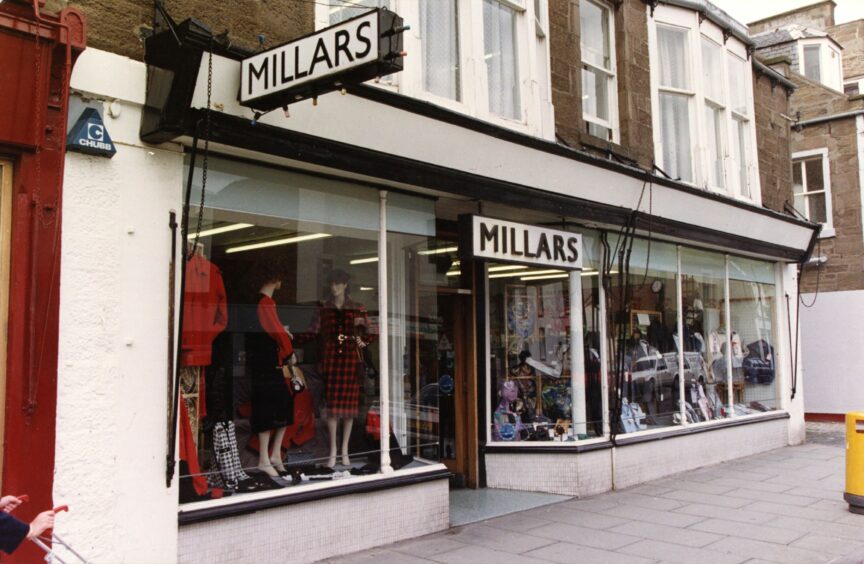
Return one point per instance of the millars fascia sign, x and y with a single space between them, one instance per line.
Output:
351 52
518 242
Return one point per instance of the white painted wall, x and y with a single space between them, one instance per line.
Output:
112 381
831 335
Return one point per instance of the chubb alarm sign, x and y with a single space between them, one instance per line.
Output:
353 51
497 239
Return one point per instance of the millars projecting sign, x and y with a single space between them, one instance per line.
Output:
519 242
351 52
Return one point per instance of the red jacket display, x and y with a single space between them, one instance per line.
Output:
205 311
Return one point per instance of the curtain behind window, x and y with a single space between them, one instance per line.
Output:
439 29
499 40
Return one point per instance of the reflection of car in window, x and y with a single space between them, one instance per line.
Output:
662 369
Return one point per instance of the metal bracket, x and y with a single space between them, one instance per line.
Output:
727 33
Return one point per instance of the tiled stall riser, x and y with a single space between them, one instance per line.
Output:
314 530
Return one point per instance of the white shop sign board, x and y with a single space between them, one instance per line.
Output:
328 52
507 241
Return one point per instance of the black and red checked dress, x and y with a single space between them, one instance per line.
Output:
340 359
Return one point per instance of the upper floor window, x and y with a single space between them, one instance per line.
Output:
702 95
485 58
439 31
499 51
820 61
811 187
599 88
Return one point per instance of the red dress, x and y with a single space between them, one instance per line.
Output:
340 355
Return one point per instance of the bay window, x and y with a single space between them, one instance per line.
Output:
675 93
488 59
599 89
439 32
500 54
821 62
703 104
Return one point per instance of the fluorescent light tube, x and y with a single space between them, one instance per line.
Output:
277 242
218 230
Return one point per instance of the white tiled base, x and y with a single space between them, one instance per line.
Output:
590 473
310 531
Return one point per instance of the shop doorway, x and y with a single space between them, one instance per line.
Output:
446 355
5 249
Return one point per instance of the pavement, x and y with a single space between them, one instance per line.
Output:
784 505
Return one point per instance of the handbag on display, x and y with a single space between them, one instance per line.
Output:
227 456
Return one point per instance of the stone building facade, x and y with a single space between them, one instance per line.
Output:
828 134
388 180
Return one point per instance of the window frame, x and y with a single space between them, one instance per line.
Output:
611 74
826 48
535 85
798 158
664 15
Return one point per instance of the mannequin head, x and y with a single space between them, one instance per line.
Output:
337 283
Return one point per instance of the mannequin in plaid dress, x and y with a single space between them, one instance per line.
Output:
342 326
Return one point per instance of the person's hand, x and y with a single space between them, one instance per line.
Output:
41 523
8 503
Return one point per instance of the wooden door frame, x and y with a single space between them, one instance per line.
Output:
5 271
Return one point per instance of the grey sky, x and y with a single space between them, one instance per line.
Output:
747 11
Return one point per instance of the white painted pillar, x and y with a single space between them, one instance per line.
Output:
730 397
681 345
577 358
383 335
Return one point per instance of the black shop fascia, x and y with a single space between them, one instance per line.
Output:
497 240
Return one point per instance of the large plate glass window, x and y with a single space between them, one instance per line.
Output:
706 338
535 396
599 90
500 54
280 349
752 303
674 96
643 321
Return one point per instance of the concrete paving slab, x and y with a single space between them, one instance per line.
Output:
781 506
677 535
567 553
767 551
708 499
825 544
475 554
570 516
425 547
748 531
668 552
520 522
671 518
562 532
497 539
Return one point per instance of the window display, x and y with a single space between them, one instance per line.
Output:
649 386
280 349
535 396
751 303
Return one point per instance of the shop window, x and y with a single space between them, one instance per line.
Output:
703 104
535 396
646 341
811 186
439 36
706 337
752 308
280 351
599 84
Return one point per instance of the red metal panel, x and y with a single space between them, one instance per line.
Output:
36 56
